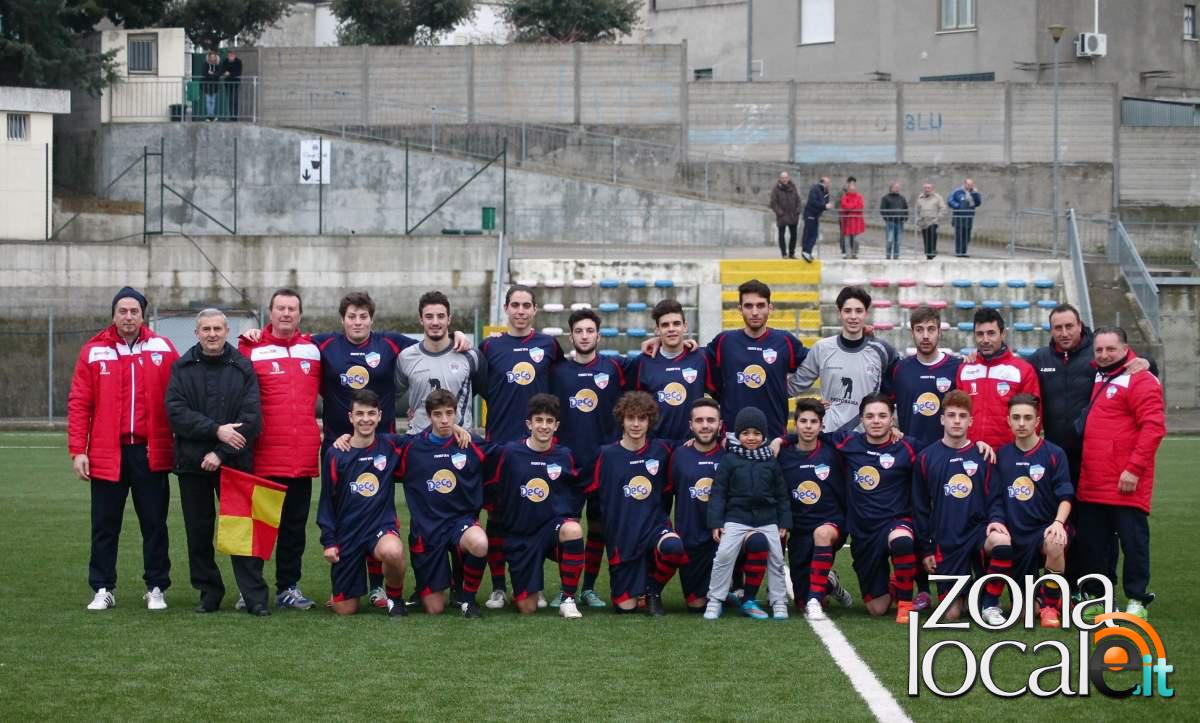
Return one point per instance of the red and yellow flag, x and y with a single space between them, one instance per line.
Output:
249 517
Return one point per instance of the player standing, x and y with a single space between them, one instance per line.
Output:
920 381
432 364
994 377
675 376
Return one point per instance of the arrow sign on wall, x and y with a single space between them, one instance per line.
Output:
314 162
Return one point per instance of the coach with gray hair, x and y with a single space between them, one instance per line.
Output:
213 408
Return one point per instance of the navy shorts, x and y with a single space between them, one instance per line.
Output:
872 560
348 576
526 557
430 554
1027 553
627 580
694 576
966 559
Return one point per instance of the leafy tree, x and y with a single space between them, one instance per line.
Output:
398 22
40 45
209 23
571 21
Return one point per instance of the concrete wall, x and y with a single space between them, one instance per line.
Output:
1158 166
26 179
1178 309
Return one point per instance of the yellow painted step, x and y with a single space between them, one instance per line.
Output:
780 276
760 265
778 298
810 320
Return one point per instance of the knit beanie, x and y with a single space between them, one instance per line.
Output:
750 417
129 292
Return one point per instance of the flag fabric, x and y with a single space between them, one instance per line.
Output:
248 522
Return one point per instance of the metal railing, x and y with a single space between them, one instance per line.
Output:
1123 252
158 99
1075 250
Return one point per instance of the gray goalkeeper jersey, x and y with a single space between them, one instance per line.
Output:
419 372
847 375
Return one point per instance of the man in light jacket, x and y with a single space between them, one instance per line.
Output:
929 208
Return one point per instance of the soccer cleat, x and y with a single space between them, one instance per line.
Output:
541 601
993 616
787 582
470 610
839 593
654 606
154 599
922 602
240 604
103 600
1138 609
903 607
734 598
713 610
293 598
379 597
1049 618
557 600
779 611
396 609
260 611
751 610
1090 608
568 609
813 610
591 599
496 600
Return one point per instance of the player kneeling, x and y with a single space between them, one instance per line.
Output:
530 492
958 508
1037 504
357 510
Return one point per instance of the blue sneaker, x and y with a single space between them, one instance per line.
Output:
751 609
293 598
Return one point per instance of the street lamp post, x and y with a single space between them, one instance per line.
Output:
1056 32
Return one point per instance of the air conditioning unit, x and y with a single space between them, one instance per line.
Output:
1091 45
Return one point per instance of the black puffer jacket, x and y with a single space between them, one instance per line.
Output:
749 492
206 392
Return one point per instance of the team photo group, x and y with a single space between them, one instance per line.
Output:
677 461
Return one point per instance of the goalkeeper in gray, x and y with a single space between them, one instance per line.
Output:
432 364
850 365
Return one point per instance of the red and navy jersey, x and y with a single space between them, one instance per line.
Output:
816 484
918 390
587 394
358 496
878 479
518 367
675 383
634 492
955 496
442 481
1033 484
691 474
346 366
754 372
529 488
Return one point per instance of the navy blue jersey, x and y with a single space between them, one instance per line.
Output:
955 496
918 390
634 492
587 394
346 366
675 383
754 372
816 485
357 494
878 479
517 368
529 489
1033 482
442 481
691 474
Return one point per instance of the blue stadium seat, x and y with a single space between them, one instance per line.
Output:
962 283
609 307
636 331
993 304
664 284
966 326
636 306
636 283
1019 304
965 304
609 352
1047 303
609 283
633 353
609 331
966 350
1027 350
552 308
1016 283
1043 283
1023 326
1045 326
988 283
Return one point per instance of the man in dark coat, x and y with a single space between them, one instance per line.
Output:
231 77
817 204
213 409
785 202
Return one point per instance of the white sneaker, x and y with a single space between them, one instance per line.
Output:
241 603
994 616
779 611
813 610
712 611
787 583
569 610
103 600
542 601
496 600
154 599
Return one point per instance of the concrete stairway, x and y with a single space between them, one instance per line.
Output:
795 292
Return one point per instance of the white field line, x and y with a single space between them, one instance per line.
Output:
883 706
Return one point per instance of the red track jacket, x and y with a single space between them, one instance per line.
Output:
991 383
289 377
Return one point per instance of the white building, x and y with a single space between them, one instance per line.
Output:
312 24
26 148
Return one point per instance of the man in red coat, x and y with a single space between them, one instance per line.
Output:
1125 424
119 441
992 376
852 222
288 366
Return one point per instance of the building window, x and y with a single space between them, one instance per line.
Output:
702 74
816 21
143 54
18 126
1189 22
957 15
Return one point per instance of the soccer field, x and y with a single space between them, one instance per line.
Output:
61 662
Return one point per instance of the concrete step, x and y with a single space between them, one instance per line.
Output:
805 321
780 276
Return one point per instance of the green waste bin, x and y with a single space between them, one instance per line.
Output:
489 218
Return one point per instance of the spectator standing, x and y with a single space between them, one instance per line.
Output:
964 200
785 202
211 85
929 208
851 217
231 77
817 204
893 207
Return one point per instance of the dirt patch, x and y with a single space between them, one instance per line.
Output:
74 202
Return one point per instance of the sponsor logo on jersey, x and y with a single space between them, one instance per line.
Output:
537 354
971 466
673 394
275 368
752 376
943 384
553 471
639 487
156 358
1110 392
372 359
459 460
1036 472
367 485
690 375
601 380
822 472
959 486
770 355
927 405
104 369
886 461
652 466
305 366
380 462
701 489
866 477
807 493
1002 388
585 400
535 490
355 377
443 481
1022 489
522 373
